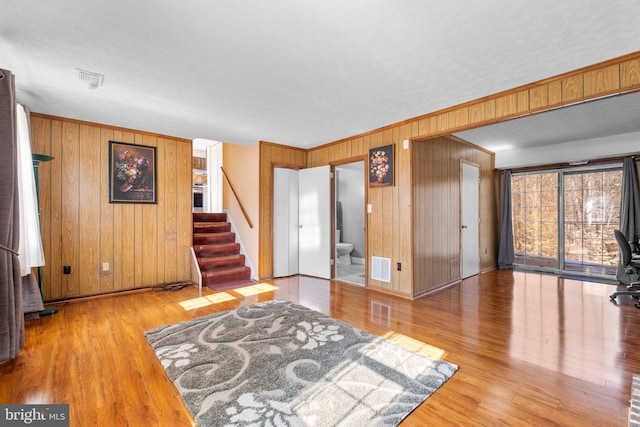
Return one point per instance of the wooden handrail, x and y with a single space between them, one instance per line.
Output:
246 217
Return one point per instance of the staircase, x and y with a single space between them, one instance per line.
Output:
221 264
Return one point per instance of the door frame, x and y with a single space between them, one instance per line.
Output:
365 177
476 165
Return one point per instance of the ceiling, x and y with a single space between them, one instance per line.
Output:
589 120
296 72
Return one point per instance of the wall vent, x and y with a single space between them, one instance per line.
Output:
94 80
381 269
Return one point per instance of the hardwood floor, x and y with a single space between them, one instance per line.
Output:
532 349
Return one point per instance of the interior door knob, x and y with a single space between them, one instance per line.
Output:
464 226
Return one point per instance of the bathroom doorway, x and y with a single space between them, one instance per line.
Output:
350 249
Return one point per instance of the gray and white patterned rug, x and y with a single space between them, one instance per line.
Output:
278 363
634 404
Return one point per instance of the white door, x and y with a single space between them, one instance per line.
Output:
315 221
470 218
285 222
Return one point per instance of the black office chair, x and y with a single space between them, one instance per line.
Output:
628 268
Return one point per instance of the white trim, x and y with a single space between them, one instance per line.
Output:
197 267
247 259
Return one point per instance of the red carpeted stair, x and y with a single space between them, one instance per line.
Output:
221 264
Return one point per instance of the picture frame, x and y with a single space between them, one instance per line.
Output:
381 170
133 173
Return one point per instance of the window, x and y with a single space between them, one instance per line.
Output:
564 220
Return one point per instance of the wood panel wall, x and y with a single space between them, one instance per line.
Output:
272 155
389 227
436 211
144 245
389 233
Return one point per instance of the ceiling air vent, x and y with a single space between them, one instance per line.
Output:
94 80
381 269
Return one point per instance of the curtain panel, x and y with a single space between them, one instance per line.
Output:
630 202
11 310
506 253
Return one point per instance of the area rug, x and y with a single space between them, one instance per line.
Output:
634 406
278 363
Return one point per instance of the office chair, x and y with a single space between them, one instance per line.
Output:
629 266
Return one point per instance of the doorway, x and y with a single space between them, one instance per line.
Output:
302 222
350 222
470 219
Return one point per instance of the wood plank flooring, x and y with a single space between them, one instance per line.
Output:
532 349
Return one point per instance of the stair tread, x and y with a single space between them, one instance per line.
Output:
221 257
225 270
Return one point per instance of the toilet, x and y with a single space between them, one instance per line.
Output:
343 250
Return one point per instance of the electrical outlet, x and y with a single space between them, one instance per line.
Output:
105 266
399 266
66 269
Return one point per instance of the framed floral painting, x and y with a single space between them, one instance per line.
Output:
132 173
381 166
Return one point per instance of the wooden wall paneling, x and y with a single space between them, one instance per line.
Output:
54 288
184 215
539 97
476 113
490 110
522 101
376 216
138 233
443 121
170 231
152 252
41 144
389 202
419 224
555 93
630 73
124 230
602 81
106 215
161 209
84 230
573 88
507 105
89 247
70 160
424 126
403 231
459 117
265 264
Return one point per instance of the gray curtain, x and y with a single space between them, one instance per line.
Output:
11 311
630 202
505 250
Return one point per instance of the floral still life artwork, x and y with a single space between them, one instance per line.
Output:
132 173
381 166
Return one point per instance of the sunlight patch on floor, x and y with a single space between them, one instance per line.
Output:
206 300
256 289
415 345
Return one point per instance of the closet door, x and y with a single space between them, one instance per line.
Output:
285 222
315 221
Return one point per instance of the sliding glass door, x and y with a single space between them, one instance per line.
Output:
564 220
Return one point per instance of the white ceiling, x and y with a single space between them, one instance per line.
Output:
294 72
589 120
